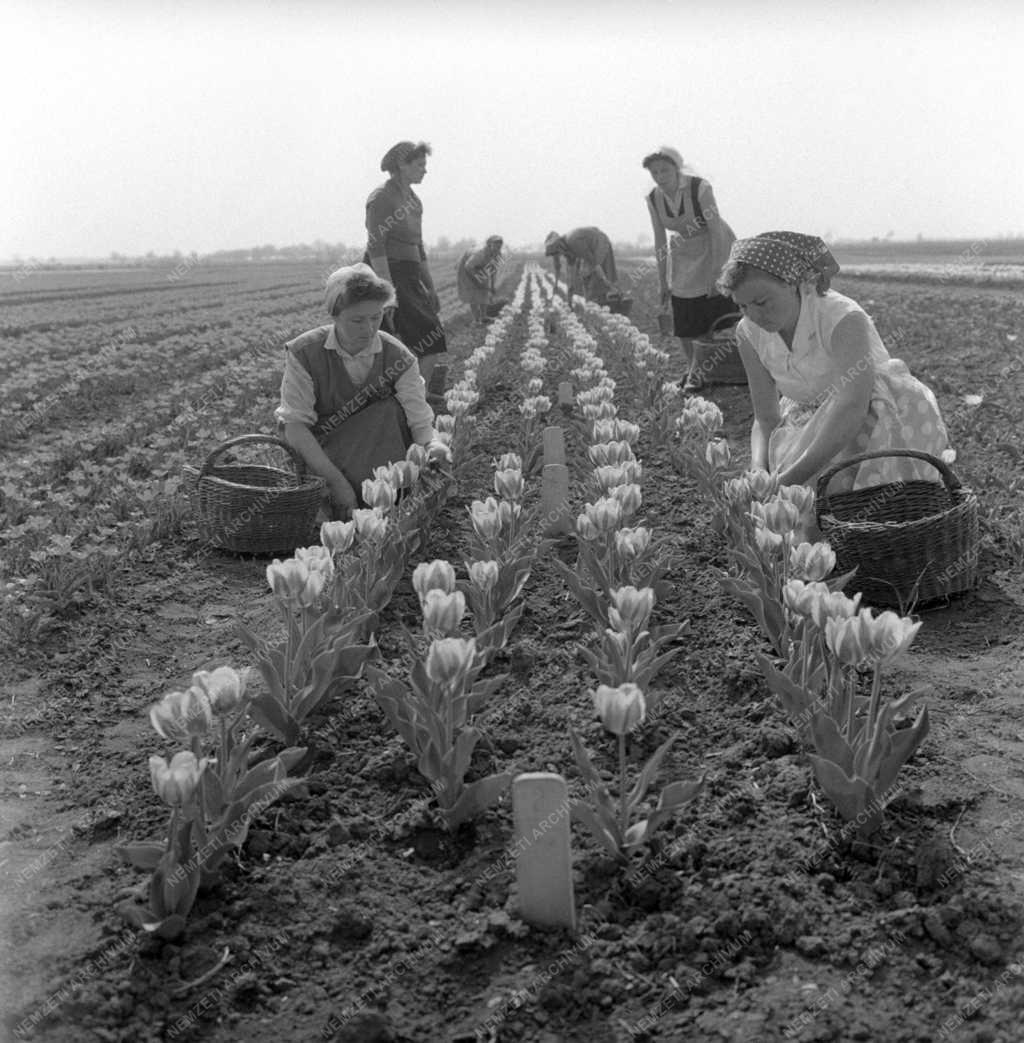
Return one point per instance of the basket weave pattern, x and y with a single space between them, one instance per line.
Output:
253 508
716 356
912 543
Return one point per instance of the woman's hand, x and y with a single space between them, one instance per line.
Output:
343 497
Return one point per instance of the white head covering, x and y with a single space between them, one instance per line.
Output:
338 282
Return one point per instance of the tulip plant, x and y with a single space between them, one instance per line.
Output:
626 824
630 649
213 798
432 712
321 649
766 554
858 749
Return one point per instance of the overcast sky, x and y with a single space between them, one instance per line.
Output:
135 125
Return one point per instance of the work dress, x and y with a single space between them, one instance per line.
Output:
902 413
359 427
394 222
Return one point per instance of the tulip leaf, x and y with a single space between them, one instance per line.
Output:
144 855
903 743
829 742
582 812
647 774
850 796
476 798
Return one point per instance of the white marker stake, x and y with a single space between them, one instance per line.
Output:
566 399
554 500
553 440
540 801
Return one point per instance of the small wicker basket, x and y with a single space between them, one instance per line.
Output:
619 303
913 543
716 358
254 508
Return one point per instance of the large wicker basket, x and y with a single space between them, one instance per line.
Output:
716 358
913 543
254 508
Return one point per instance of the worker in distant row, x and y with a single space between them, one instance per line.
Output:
590 261
477 273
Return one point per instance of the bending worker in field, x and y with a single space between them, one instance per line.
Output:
590 261
477 273
352 397
823 387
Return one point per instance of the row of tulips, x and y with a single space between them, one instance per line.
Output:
617 572
829 652
435 712
328 598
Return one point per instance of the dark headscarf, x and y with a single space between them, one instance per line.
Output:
790 256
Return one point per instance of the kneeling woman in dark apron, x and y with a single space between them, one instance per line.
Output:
352 397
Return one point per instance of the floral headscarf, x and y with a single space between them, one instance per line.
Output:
790 256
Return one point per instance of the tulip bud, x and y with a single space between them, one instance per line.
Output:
337 536
182 715
485 518
891 634
845 638
812 561
484 575
370 523
380 494
605 514
800 496
631 543
175 783
403 474
801 597
620 709
616 641
780 516
508 483
224 687
768 542
435 575
629 496
442 613
834 605
535 385
626 432
585 528
416 454
762 484
449 661
316 559
288 578
444 422
508 462
609 476
631 608
717 454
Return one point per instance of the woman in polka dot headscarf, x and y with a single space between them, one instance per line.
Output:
822 384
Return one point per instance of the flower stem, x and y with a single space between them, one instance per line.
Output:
876 698
623 806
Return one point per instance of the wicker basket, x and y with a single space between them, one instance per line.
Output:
619 303
253 508
912 543
716 357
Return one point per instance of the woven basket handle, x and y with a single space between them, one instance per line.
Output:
821 494
297 461
732 317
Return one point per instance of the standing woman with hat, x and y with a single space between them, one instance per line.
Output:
843 393
394 227
691 242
